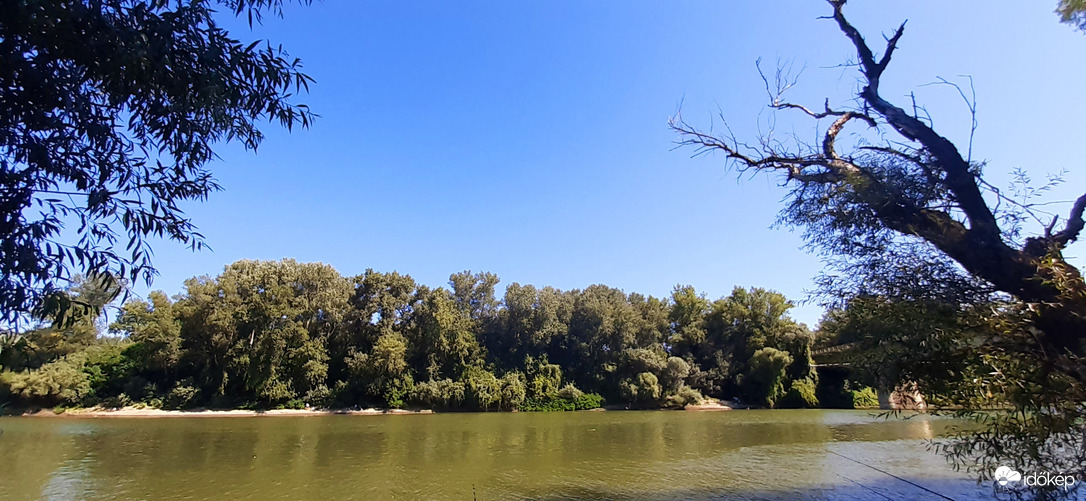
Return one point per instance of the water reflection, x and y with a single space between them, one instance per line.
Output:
70 481
609 455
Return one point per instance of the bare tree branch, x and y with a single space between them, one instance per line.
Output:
831 135
1074 224
959 178
971 103
783 83
833 167
872 69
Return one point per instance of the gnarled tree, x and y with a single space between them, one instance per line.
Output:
912 220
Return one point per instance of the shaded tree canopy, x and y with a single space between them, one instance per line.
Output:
930 265
109 115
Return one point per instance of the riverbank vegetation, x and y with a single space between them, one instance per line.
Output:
268 334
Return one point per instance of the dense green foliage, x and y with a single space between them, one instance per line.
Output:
864 398
801 395
767 374
109 114
289 334
584 402
82 376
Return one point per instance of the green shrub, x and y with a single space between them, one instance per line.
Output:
59 383
80 378
685 396
107 368
865 398
543 378
570 392
513 390
6 378
140 389
800 396
643 390
397 390
552 404
294 403
588 401
444 394
116 402
182 395
766 377
583 401
320 397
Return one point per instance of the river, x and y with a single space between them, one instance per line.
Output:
757 454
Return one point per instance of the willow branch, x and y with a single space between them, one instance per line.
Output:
833 167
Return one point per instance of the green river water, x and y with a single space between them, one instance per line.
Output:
758 454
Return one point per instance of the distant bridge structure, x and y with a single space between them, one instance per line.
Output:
833 365
833 356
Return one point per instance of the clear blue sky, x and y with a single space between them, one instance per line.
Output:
530 139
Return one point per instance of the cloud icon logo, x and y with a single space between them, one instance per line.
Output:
1005 475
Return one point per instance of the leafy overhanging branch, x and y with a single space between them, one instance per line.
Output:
109 115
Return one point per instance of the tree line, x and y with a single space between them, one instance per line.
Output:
288 334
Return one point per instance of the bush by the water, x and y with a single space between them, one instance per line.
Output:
582 402
800 396
181 396
439 395
76 379
685 396
768 375
865 398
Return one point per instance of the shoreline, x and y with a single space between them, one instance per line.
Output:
709 405
133 412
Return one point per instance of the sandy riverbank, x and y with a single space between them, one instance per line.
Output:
133 412
713 404
145 412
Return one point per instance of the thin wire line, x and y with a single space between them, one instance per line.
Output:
862 486
884 472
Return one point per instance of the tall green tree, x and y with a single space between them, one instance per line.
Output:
687 318
263 326
155 330
381 304
602 325
767 379
384 370
109 114
443 336
529 321
474 294
516 329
